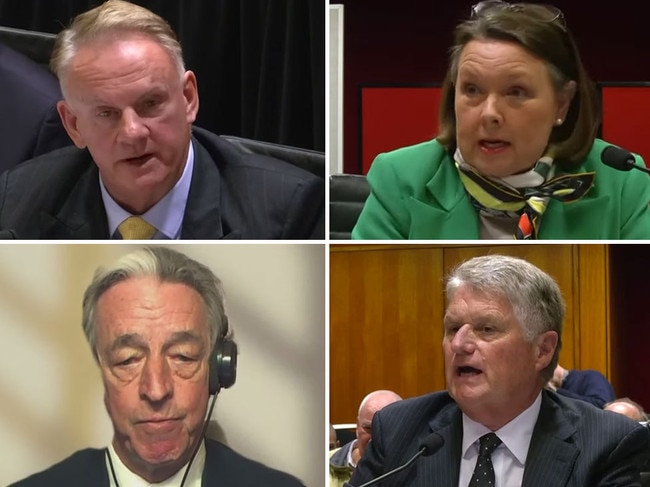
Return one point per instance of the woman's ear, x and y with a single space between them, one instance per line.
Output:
565 96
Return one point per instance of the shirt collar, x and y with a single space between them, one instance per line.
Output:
515 435
126 477
350 460
166 215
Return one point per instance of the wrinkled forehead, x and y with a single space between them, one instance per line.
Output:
109 56
149 306
480 291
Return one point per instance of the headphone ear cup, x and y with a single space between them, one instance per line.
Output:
223 366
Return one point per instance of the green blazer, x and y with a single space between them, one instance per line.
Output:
416 194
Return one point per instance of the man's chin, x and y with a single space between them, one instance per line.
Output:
162 453
466 392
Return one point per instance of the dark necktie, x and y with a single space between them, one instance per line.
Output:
484 471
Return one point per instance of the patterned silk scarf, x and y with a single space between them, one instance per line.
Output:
526 195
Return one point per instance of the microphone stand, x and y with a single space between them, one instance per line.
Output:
394 471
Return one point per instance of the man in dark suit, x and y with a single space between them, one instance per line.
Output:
587 385
499 426
30 125
139 170
156 324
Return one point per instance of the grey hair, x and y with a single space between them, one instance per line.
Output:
535 297
113 18
166 265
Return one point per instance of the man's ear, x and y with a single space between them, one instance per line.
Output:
545 346
191 95
69 120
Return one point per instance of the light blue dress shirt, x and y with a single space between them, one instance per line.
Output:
166 215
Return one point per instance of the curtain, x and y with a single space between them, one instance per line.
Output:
260 64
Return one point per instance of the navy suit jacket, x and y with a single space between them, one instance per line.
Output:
573 444
29 125
587 385
223 467
233 195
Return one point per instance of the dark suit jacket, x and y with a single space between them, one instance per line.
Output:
573 444
232 195
29 125
223 468
587 385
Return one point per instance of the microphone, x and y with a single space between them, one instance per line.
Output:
620 159
428 446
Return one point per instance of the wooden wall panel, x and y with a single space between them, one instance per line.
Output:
593 315
384 324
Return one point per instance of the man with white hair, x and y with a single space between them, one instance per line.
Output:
156 324
498 423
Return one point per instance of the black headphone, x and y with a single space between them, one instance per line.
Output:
223 362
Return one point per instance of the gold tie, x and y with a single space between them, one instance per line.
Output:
136 228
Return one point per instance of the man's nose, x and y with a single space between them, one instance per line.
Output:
132 126
463 340
156 382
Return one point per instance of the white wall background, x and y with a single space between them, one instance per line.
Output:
50 388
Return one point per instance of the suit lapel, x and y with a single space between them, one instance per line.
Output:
203 218
581 219
444 205
561 219
551 457
82 215
89 468
442 468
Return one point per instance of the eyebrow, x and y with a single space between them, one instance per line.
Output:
492 316
135 340
514 73
154 90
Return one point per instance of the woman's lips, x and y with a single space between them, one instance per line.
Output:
493 145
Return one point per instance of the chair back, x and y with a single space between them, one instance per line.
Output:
348 193
345 433
645 479
37 46
307 159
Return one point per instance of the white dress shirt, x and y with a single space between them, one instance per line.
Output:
350 460
509 459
